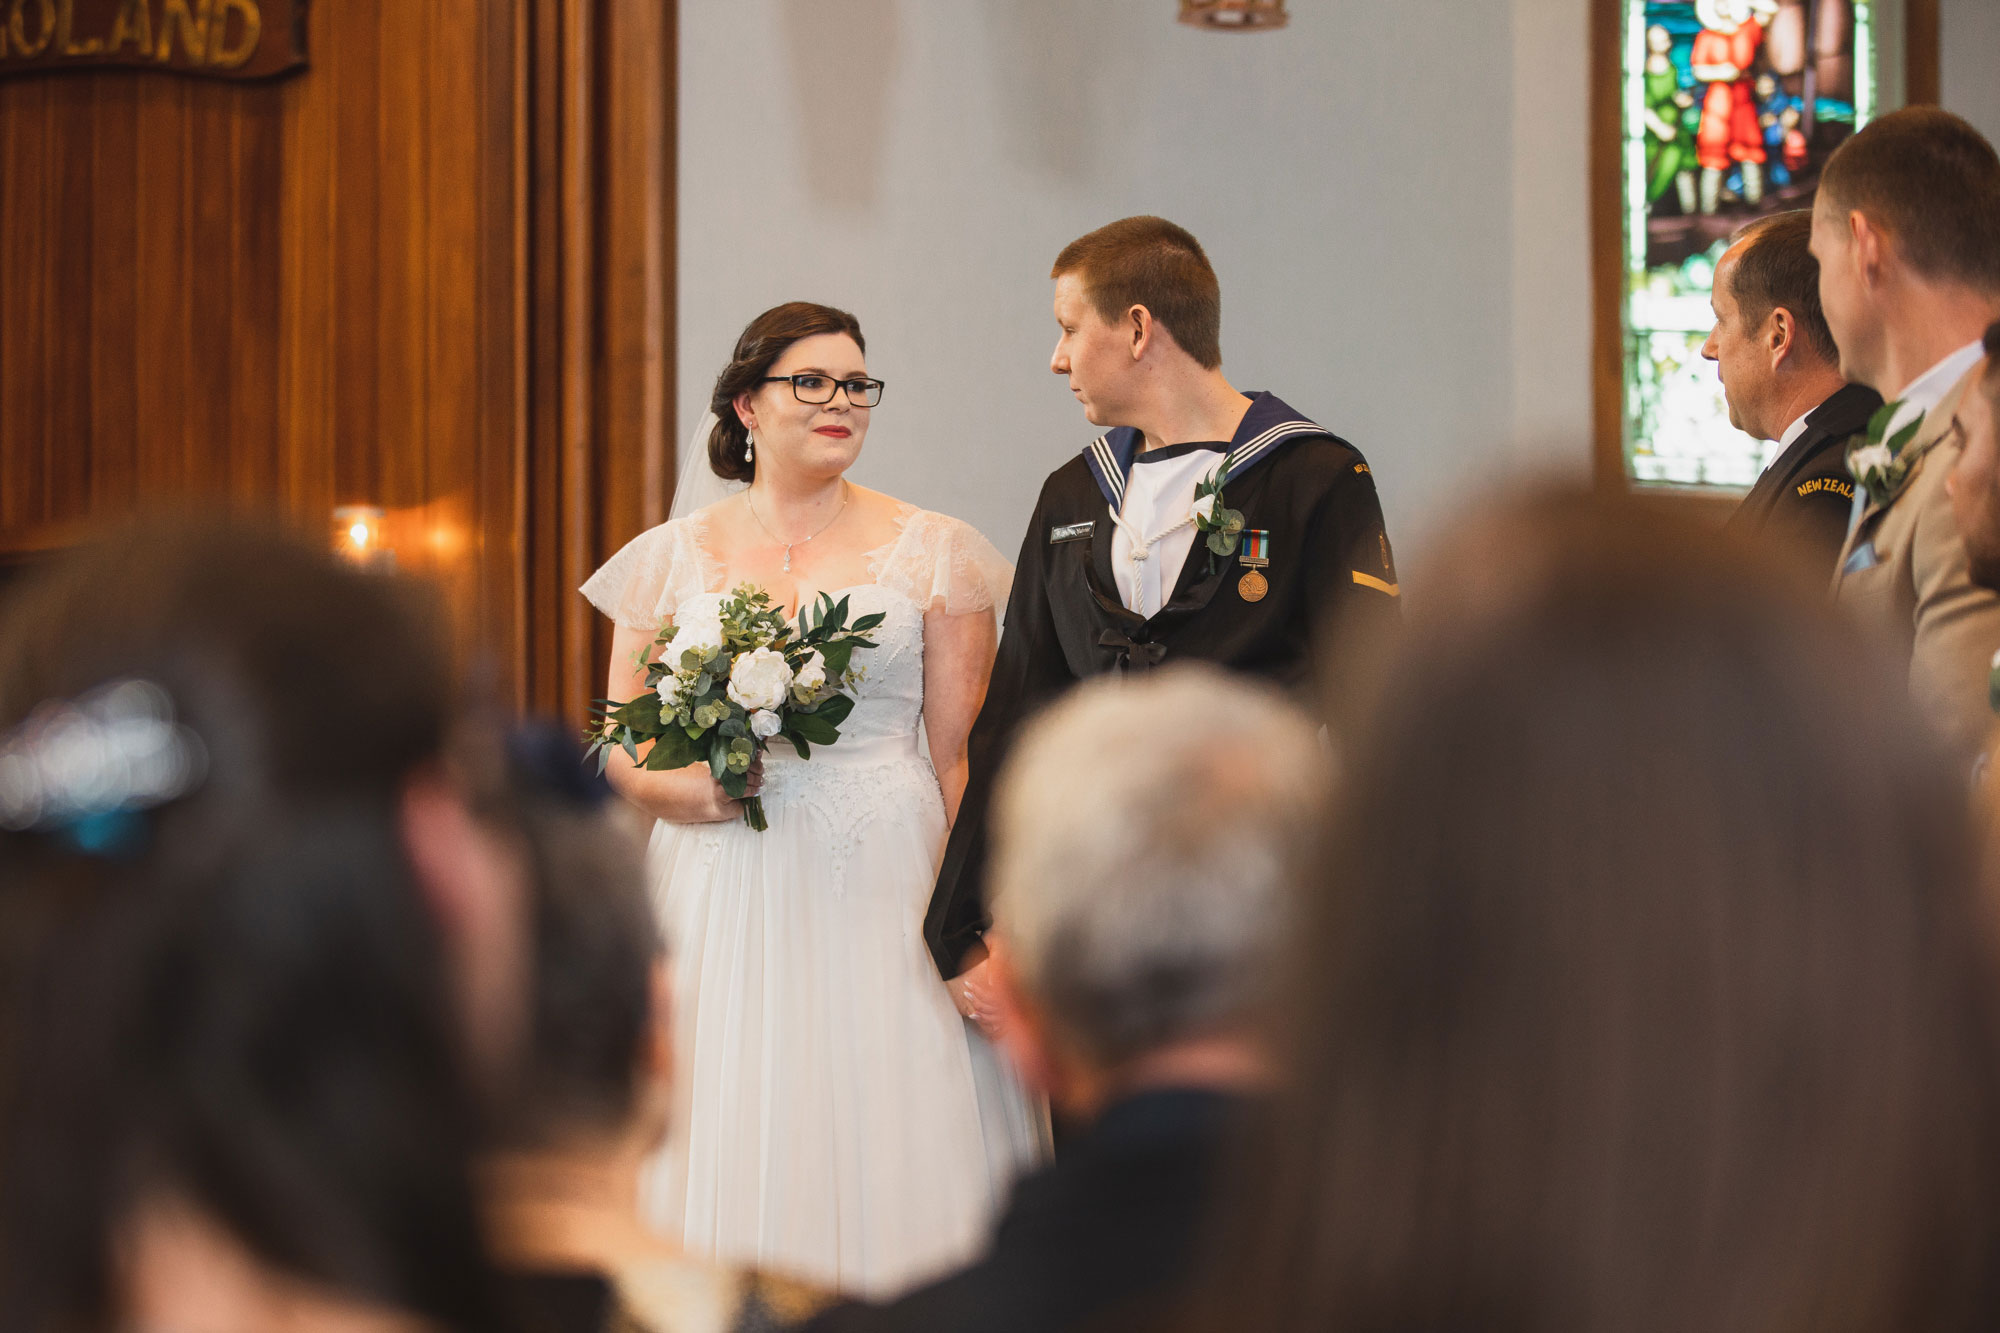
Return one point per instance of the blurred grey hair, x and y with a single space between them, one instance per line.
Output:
1147 831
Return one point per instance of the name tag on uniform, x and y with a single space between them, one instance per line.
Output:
1073 532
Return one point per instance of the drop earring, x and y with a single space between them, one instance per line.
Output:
749 447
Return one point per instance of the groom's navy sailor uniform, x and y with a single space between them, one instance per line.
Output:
1307 492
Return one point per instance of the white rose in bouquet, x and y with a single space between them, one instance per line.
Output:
760 680
670 690
1203 510
812 672
764 724
698 630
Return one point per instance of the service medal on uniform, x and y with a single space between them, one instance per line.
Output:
1134 560
1253 586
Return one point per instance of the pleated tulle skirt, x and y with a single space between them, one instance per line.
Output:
835 1119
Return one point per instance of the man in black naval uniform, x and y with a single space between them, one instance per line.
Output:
1781 376
1117 573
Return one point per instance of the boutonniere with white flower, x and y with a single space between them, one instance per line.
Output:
730 680
1881 465
1221 525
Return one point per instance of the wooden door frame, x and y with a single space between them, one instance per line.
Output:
596 210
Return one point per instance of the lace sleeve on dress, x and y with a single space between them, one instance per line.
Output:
945 560
641 585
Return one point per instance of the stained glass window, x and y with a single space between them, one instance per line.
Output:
1731 108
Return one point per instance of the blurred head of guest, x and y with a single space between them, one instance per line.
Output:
1145 833
247 919
1640 984
1770 342
1906 228
593 1100
1975 477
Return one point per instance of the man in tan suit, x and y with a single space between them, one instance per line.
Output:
1974 483
1906 229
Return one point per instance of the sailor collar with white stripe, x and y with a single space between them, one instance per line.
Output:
1268 424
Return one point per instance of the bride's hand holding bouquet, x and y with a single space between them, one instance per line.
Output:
725 684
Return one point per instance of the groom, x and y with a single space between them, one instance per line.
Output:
1117 573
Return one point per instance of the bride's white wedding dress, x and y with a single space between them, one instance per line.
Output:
835 1118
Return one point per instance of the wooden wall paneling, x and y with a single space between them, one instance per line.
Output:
66 330
355 431
210 171
1607 243
539 498
433 273
402 291
309 272
462 165
635 285
1921 49
576 236
114 301
637 282
255 424
24 263
512 285
162 330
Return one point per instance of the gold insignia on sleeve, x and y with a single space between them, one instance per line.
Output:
1379 585
1834 484
1363 469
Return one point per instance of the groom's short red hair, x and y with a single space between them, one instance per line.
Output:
1151 262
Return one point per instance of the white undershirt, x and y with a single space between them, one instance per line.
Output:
1927 390
1792 432
1158 496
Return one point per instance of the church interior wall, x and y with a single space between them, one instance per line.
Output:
1395 197
1969 35
1352 177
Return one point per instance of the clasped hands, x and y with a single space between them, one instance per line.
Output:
973 992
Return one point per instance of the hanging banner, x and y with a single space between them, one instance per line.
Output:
215 39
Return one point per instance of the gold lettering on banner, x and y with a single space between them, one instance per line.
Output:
65 43
24 48
89 46
221 55
193 29
233 40
133 25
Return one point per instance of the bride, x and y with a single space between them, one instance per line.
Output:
835 1117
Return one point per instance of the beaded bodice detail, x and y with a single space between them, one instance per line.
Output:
934 562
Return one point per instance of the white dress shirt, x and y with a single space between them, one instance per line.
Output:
1792 432
1155 530
1927 390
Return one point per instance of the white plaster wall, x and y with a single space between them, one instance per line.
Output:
1392 194
1969 61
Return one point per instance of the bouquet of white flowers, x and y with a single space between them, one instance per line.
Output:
727 682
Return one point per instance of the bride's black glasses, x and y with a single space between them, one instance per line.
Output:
817 389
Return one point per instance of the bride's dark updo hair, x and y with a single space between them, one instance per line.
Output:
762 343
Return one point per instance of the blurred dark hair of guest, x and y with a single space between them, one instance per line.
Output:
245 912
596 1086
1640 985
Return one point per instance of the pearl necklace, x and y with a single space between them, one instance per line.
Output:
803 540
